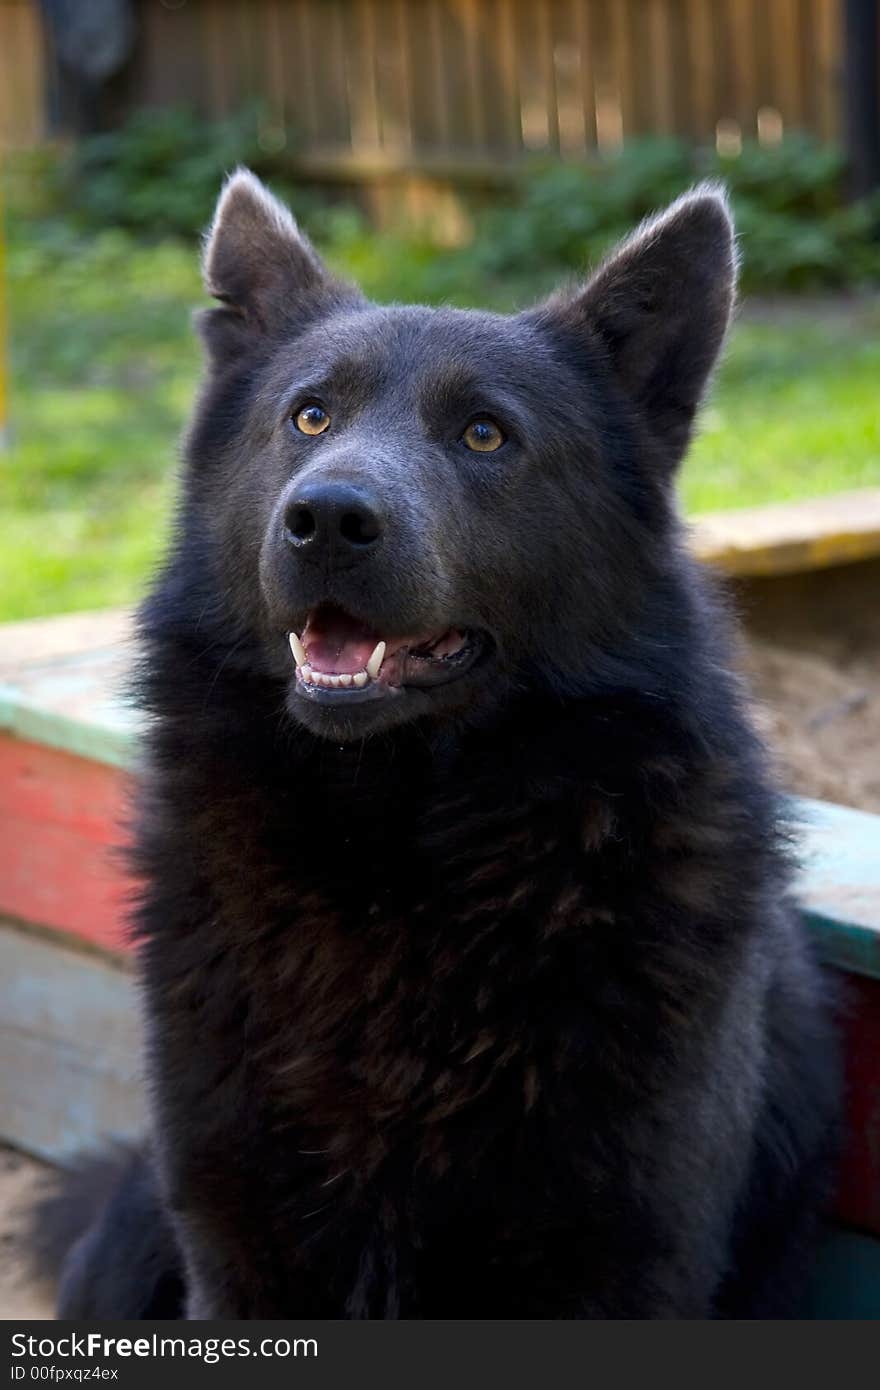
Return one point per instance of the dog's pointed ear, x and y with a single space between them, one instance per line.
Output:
660 306
264 271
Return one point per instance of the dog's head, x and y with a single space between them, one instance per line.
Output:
413 510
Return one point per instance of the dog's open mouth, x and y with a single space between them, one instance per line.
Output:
338 656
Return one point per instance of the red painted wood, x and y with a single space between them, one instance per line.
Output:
859 1199
61 822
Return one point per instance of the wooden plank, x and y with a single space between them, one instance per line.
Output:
473 76
169 67
829 57
325 60
247 31
437 69
583 11
62 822
451 58
858 1202
414 37
624 67
503 111
846 1281
568 56
471 20
788 537
361 63
805 52
407 76
744 65
218 56
701 71
783 16
70 1047
73 700
69 635
392 78
303 96
542 57
661 75
839 883
22 86
728 133
333 164
275 63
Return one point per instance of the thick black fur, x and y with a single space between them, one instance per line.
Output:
484 1000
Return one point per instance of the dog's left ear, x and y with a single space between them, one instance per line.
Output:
660 306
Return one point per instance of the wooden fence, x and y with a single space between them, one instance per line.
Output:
372 86
22 74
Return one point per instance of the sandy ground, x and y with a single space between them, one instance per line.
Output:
19 1297
820 713
819 709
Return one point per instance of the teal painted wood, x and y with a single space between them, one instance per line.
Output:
846 1284
103 743
839 883
69 1044
74 702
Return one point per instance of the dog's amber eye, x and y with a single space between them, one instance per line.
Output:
312 419
483 437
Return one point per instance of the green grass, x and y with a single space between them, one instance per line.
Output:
104 364
795 411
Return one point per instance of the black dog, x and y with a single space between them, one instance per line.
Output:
472 985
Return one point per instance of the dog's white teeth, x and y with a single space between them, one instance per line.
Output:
299 651
375 662
332 680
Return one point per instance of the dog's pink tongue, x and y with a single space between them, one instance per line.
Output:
337 644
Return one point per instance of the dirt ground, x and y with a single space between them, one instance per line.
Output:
812 655
820 714
20 1297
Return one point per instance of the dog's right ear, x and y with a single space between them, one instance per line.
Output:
659 308
264 271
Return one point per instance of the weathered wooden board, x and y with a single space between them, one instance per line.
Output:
846 1281
429 78
66 733
69 1044
859 1187
62 684
839 884
62 825
789 537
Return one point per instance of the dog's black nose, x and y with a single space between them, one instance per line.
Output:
326 520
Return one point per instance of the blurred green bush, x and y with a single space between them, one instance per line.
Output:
796 232
158 175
